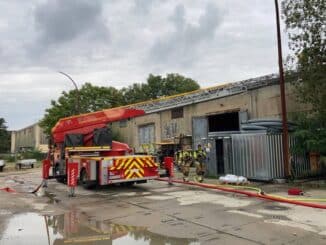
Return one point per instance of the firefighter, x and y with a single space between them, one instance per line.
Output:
178 159
186 157
199 160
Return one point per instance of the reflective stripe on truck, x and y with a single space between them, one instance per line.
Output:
133 167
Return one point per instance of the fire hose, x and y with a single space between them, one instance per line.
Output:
258 193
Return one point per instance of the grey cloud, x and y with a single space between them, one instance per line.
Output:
182 45
119 42
64 20
143 7
66 33
178 17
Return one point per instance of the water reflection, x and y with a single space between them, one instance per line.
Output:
78 228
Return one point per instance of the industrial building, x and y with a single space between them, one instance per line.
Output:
213 117
29 138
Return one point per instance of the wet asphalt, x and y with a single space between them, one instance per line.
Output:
151 213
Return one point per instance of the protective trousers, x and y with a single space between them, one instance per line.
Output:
186 168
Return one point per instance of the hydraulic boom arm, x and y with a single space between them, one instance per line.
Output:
86 123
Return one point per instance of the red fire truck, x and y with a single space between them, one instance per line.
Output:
85 142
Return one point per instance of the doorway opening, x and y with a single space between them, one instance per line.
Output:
219 157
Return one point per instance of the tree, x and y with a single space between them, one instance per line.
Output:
305 21
158 86
134 93
4 137
92 98
172 84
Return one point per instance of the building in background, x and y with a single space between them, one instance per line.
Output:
212 116
29 138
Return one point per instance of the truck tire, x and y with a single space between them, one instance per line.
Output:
32 165
127 184
1 168
83 180
55 170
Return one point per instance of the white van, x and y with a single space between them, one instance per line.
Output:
26 163
2 165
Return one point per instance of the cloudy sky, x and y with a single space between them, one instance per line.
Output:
119 42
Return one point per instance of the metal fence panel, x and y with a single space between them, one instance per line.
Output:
300 164
251 156
260 156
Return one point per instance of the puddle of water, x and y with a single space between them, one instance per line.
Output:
52 198
4 212
77 228
276 208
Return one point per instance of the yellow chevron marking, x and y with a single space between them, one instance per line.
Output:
128 162
121 164
88 239
145 159
139 175
135 165
127 172
130 173
149 163
129 176
140 162
134 175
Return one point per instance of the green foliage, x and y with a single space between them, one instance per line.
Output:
158 86
4 137
91 98
10 158
134 93
305 21
94 98
311 134
32 154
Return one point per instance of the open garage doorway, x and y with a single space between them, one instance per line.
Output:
220 128
219 157
224 122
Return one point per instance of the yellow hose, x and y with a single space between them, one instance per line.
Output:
282 197
300 199
242 187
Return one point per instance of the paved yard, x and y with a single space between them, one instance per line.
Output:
151 213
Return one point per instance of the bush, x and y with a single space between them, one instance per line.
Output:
8 157
32 154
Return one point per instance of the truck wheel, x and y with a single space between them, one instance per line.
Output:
127 184
85 182
1 168
32 165
55 172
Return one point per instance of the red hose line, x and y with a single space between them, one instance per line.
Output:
8 189
250 194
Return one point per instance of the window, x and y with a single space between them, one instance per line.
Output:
224 122
146 134
177 113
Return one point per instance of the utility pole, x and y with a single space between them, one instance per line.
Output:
77 92
285 135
